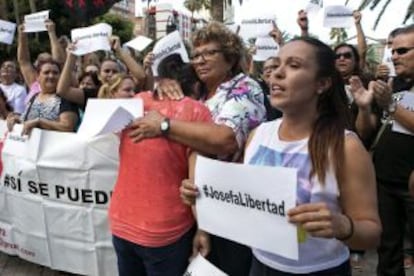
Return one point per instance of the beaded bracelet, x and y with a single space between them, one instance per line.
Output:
351 229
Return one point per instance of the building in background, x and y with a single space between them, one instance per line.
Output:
157 19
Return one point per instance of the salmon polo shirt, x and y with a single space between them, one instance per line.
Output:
146 207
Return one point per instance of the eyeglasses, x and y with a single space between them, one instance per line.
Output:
346 55
206 55
402 50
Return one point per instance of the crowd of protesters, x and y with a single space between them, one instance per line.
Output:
317 104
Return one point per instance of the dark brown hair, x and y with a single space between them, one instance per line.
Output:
327 141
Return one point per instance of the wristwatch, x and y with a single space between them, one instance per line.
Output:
165 126
392 107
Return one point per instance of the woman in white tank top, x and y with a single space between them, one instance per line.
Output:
336 185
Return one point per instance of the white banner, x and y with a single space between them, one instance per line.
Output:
139 43
406 100
248 204
259 25
35 22
338 16
54 195
7 30
166 46
91 39
201 267
266 47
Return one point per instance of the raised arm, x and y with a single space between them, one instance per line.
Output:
362 43
64 89
58 53
149 77
23 57
136 69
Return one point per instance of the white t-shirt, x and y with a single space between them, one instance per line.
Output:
15 94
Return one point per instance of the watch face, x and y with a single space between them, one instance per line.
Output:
164 126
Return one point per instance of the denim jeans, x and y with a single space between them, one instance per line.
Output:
259 269
169 260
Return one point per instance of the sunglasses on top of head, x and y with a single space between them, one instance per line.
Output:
347 55
401 50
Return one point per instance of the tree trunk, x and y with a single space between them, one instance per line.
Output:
32 5
3 10
16 11
217 10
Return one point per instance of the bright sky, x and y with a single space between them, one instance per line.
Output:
286 12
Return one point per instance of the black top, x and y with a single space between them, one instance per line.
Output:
89 93
394 153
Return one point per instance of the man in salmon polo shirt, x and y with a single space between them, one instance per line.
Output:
152 229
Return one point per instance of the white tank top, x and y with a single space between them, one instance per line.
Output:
315 254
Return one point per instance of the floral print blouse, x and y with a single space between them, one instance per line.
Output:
238 104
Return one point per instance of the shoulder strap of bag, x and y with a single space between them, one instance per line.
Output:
29 107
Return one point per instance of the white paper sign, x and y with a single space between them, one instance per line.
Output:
406 100
35 22
253 27
201 267
139 8
118 114
338 17
266 47
139 43
248 204
387 60
168 45
7 30
314 6
91 39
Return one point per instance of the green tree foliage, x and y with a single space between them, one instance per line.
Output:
383 4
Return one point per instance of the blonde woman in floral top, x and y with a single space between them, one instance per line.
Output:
236 103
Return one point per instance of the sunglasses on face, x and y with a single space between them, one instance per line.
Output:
402 50
347 55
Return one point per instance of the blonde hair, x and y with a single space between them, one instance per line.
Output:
108 89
